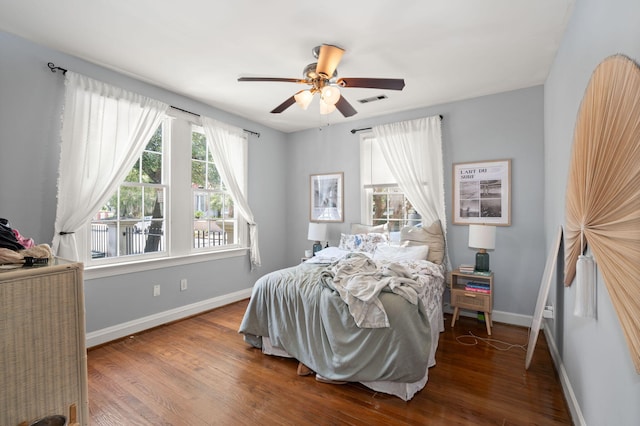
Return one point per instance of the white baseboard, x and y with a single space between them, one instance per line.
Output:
119 331
513 319
567 389
498 316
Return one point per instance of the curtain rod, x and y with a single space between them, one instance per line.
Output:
53 68
198 115
369 128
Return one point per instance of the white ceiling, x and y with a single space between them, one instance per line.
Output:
445 50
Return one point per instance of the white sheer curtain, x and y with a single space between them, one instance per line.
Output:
104 130
413 152
227 145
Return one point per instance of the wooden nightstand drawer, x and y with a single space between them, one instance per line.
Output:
470 300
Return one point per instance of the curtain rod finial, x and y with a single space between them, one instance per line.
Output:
53 68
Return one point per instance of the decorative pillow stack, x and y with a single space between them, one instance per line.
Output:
362 242
416 242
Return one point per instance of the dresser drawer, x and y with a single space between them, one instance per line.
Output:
471 300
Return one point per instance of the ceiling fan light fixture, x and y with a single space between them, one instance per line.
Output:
322 76
303 98
326 108
330 94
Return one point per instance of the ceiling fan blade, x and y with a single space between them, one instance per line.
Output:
286 80
286 104
328 60
345 107
373 83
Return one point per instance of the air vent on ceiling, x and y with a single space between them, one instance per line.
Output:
372 99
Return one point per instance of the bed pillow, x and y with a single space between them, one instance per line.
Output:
357 228
361 242
431 236
328 255
389 253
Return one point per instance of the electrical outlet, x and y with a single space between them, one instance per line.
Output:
548 312
183 284
156 290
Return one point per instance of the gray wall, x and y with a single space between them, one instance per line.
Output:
30 101
507 125
594 353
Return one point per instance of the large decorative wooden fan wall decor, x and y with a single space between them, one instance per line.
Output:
603 192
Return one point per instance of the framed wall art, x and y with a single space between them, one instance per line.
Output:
326 203
482 193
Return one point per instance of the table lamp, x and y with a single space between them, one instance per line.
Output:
317 233
482 237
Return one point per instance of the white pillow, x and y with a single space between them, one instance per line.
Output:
385 252
358 228
328 255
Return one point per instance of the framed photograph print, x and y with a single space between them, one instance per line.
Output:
326 204
482 193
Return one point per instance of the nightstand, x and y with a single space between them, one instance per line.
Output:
474 292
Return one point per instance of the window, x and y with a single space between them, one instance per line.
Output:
382 200
164 212
214 221
132 222
389 205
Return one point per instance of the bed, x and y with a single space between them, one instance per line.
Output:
366 311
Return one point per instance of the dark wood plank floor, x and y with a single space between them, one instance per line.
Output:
199 371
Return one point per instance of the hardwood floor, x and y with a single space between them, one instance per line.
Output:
199 371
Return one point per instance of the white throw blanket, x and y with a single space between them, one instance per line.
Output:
359 280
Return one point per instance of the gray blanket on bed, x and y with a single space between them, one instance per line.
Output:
301 312
359 280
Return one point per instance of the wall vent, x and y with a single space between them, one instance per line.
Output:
372 99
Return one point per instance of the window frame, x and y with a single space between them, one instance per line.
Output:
367 187
240 224
179 248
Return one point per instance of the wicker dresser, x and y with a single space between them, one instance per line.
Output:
43 359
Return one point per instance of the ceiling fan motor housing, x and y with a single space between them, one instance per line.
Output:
312 76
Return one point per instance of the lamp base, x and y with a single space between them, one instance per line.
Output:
482 261
316 247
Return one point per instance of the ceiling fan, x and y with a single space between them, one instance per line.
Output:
322 76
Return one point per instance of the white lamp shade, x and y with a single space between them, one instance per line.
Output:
317 231
303 98
330 94
326 108
482 237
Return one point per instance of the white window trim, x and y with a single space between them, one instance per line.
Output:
179 246
243 237
366 177
102 271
